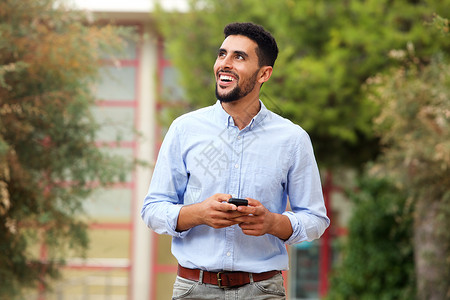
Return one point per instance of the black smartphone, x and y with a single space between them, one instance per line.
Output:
238 201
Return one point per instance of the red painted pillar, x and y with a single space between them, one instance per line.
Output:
43 257
325 241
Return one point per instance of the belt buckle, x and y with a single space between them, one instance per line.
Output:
219 280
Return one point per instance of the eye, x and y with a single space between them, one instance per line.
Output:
221 54
239 57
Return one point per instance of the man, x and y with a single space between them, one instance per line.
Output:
235 148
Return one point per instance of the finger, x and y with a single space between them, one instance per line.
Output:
224 206
253 202
251 231
239 220
222 197
236 214
224 224
248 210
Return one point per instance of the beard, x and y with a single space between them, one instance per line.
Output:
239 91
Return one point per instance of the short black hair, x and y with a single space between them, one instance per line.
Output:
267 50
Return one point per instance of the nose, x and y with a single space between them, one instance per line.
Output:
225 62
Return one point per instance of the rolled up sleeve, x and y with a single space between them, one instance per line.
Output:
308 216
163 201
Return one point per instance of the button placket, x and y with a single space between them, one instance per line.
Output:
233 189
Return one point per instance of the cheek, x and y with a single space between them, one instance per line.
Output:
215 67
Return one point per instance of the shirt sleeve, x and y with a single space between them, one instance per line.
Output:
164 199
308 216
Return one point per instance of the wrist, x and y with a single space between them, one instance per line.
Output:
188 217
281 226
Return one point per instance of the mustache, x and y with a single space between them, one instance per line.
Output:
227 72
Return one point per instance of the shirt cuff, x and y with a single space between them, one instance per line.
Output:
173 212
298 231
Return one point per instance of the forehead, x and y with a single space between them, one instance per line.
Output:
239 43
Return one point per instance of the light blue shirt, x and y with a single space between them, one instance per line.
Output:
271 160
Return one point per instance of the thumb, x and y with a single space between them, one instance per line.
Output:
222 197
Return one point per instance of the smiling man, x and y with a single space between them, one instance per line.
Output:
230 63
235 149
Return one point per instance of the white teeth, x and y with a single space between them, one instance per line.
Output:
226 78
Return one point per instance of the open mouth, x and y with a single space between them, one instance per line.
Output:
225 79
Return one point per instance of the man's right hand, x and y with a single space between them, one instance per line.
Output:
213 211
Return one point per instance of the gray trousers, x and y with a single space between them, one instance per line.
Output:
272 288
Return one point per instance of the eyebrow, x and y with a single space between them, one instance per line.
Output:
244 54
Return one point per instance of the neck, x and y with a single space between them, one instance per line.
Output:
243 110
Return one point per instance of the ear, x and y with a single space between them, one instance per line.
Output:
264 74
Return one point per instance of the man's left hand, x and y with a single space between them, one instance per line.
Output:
259 221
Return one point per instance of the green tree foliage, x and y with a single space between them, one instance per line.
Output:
49 161
391 220
414 124
378 258
328 49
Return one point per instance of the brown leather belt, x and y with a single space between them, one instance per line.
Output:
224 279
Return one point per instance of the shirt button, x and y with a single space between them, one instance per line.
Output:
239 137
228 253
236 166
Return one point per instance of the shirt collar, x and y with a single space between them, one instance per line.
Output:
224 118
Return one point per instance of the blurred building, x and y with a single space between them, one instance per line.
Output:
126 260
